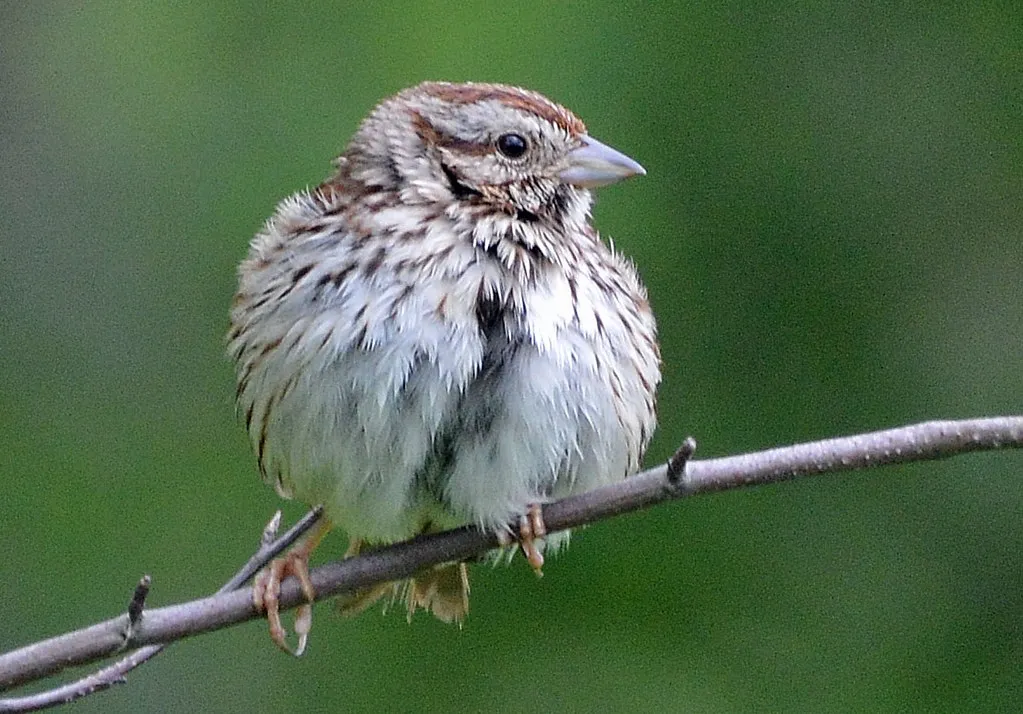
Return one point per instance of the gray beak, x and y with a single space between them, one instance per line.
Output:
594 164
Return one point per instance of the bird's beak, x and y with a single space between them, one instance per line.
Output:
594 164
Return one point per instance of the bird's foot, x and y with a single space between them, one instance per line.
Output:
266 591
531 529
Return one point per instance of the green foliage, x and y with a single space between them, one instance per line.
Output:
831 233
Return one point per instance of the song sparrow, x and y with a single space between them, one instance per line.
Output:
436 336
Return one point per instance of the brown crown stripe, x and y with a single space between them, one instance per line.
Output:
509 96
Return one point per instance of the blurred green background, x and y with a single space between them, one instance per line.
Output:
832 234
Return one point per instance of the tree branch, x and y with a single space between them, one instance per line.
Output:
34 655
677 479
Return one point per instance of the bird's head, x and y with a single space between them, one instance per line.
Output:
488 146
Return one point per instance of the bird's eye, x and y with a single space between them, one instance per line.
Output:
512 145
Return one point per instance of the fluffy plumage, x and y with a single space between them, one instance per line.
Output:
436 335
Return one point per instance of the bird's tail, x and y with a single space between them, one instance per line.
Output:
442 589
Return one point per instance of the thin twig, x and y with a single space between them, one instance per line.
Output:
681 457
138 602
928 441
117 672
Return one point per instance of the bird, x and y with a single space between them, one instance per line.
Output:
437 336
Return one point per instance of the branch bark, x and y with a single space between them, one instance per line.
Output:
270 547
161 626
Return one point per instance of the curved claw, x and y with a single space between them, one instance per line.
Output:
266 591
531 529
